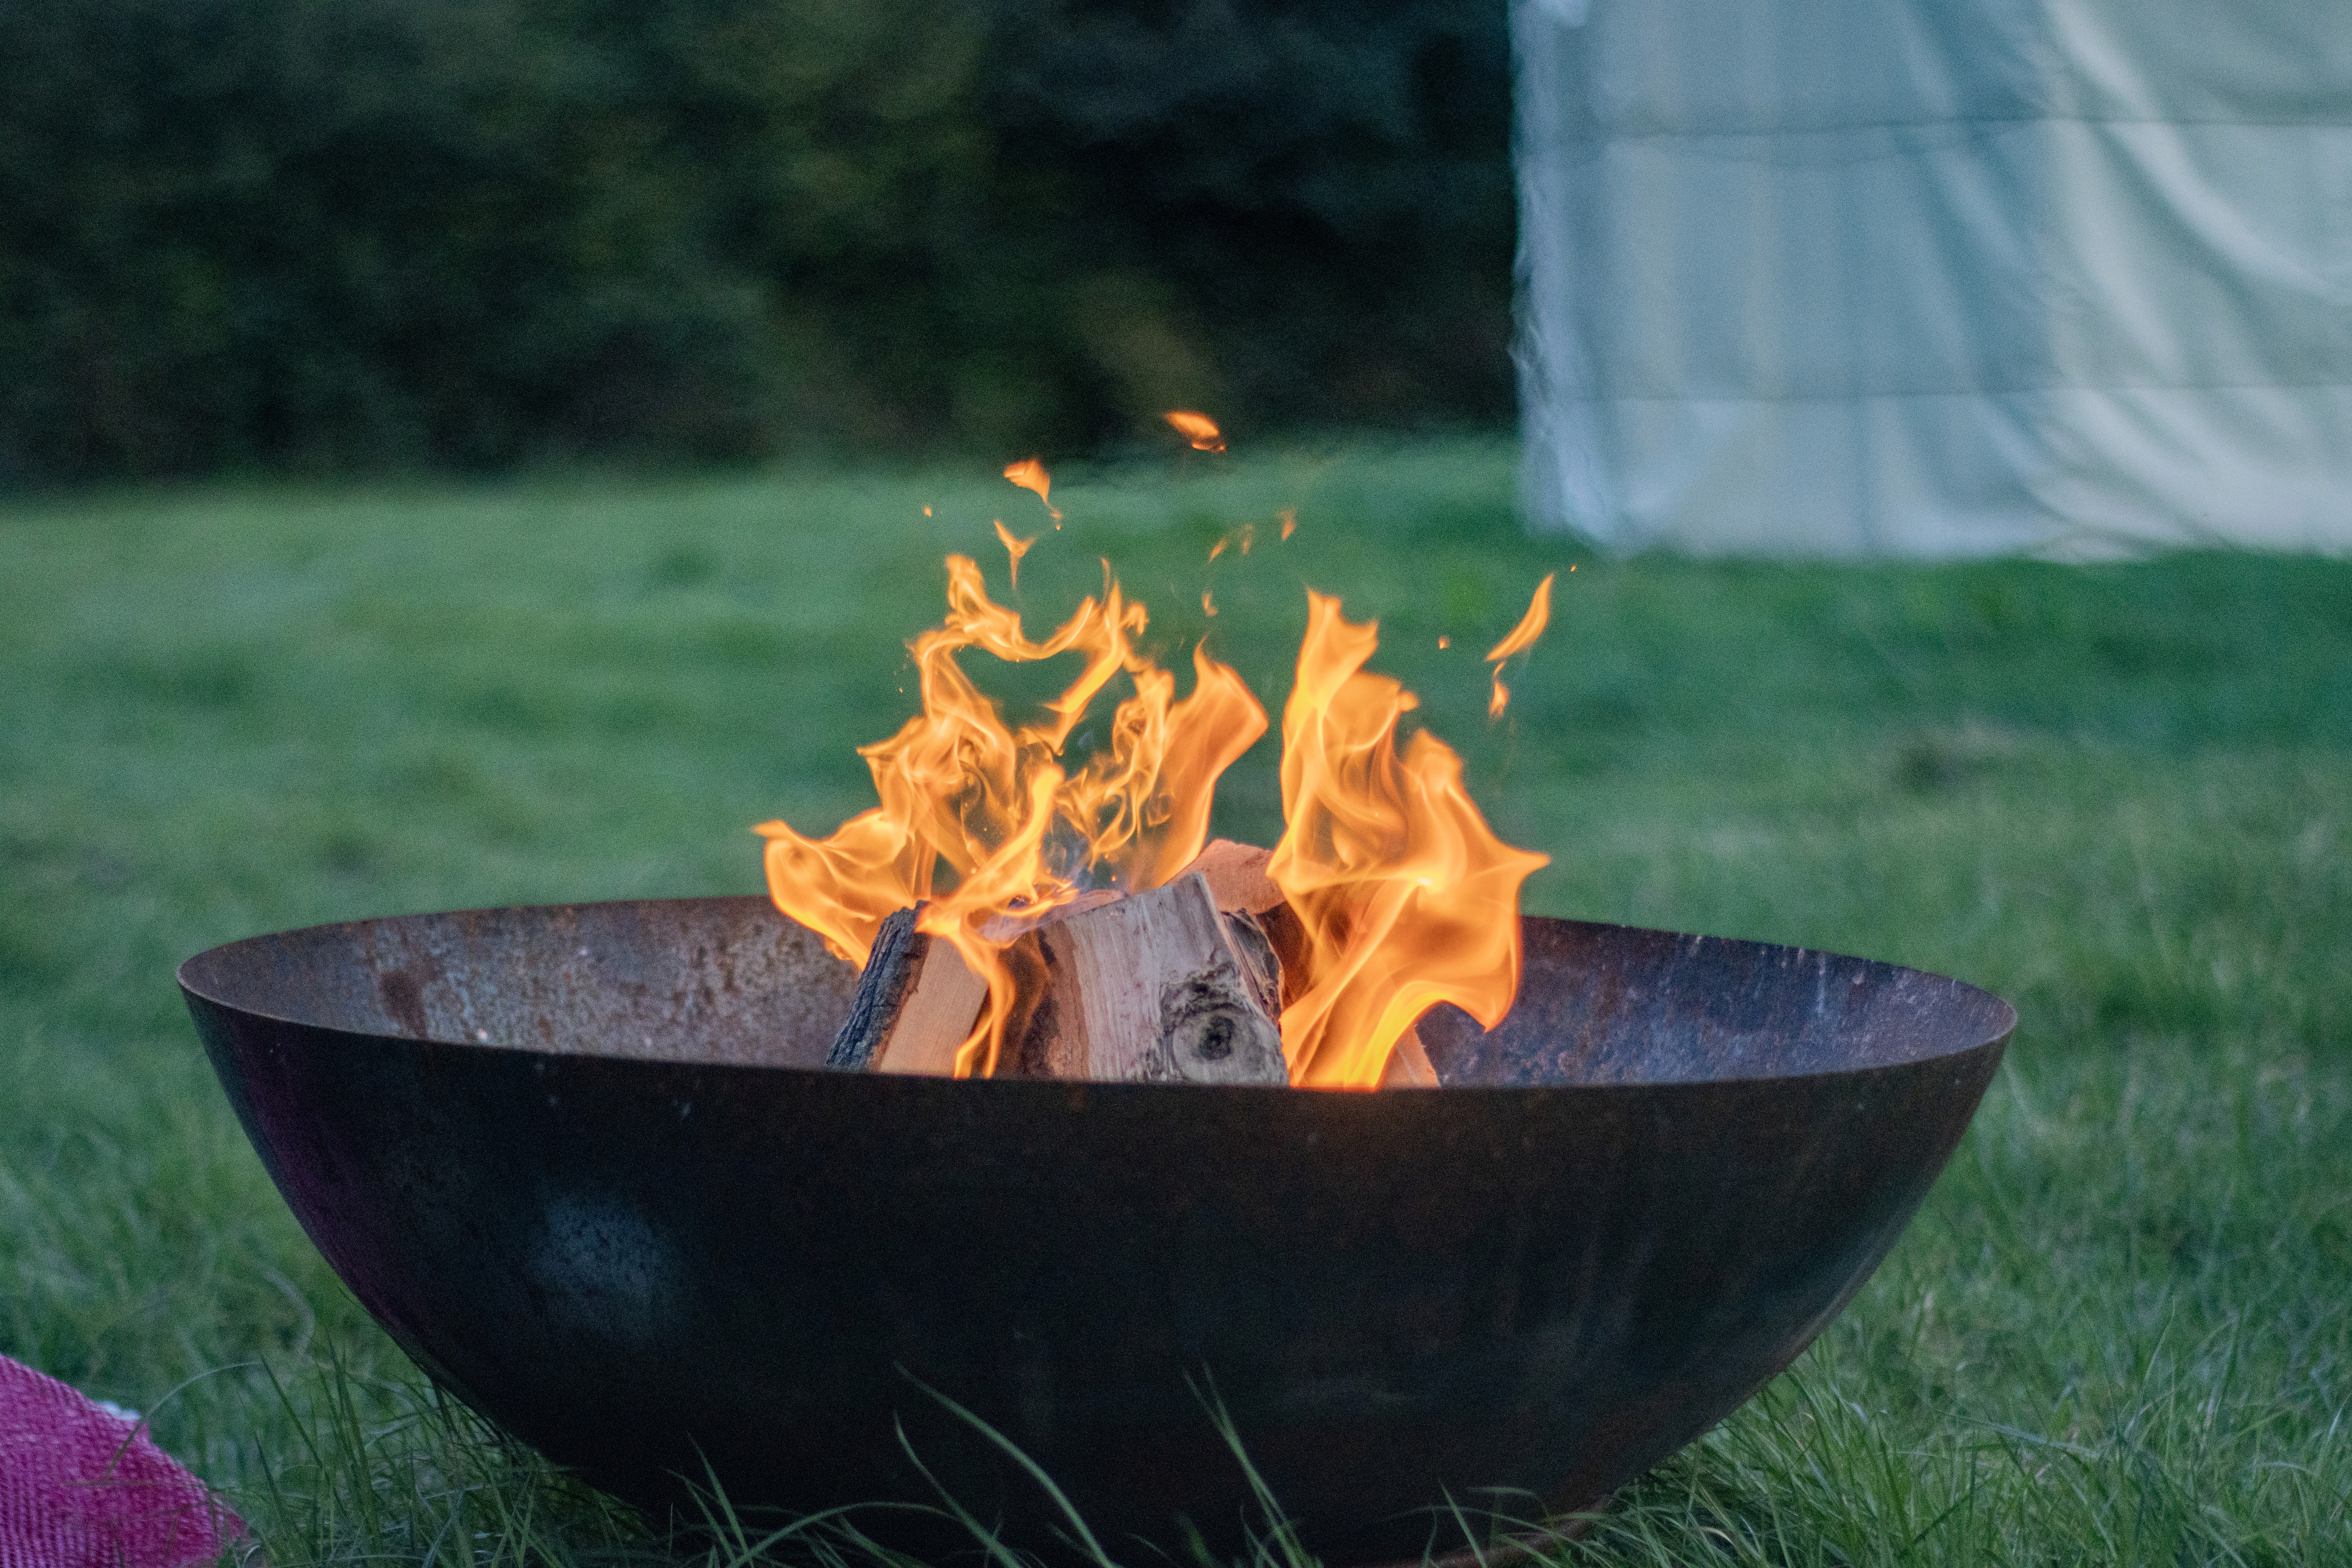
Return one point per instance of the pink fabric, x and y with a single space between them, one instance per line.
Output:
83 1488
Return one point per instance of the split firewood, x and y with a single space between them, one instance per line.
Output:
1157 987
1181 983
1236 876
1237 879
1010 927
918 999
917 1002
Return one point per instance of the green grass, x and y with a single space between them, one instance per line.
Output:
2121 1329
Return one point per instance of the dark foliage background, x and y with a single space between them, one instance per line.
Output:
326 235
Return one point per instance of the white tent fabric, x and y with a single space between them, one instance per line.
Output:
1936 277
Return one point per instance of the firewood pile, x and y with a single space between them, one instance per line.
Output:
1183 983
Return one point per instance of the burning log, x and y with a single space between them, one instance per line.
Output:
1238 881
1236 875
1184 983
915 1003
1161 986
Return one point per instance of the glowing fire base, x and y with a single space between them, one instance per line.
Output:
582 1163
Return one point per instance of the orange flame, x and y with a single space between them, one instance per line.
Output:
1407 897
1523 635
1016 548
1404 895
1289 516
1197 428
1031 474
993 803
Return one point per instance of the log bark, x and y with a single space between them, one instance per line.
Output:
917 1002
1156 987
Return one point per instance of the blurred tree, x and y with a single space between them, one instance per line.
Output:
335 234
327 233
1305 209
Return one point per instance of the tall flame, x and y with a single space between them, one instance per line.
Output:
1016 831
1404 893
1407 897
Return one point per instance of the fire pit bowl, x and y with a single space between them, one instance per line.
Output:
582 1163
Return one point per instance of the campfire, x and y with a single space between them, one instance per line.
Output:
1020 911
829 1211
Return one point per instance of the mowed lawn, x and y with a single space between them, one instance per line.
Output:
2121 795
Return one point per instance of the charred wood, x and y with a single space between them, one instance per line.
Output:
915 1005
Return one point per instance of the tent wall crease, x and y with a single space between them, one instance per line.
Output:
1935 278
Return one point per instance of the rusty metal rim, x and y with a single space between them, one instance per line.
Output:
2004 1024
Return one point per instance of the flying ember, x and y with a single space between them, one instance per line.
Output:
1198 428
1522 636
1022 911
1030 475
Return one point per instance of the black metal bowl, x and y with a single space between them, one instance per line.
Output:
581 1163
